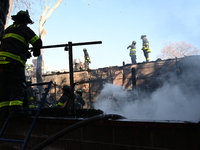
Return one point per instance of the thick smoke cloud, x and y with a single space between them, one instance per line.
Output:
177 99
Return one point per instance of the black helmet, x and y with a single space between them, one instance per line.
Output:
143 36
79 92
66 88
134 42
22 16
84 49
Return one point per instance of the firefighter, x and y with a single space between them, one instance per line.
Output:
87 59
145 47
65 97
79 102
132 53
13 56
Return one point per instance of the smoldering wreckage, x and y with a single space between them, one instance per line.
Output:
157 93
140 106
151 92
140 84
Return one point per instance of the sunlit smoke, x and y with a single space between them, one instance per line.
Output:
177 99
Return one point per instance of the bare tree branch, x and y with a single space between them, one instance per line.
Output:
178 49
45 15
47 12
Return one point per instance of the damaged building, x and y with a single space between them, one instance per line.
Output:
112 131
144 77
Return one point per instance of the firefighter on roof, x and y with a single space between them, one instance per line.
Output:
132 53
145 47
13 56
87 59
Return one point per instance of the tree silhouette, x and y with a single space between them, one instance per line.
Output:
178 49
47 12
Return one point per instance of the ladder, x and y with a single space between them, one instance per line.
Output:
38 110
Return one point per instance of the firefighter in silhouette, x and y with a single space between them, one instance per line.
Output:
132 53
145 47
13 56
87 59
64 99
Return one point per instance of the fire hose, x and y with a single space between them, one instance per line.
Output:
73 127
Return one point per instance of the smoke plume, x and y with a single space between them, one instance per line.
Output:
177 99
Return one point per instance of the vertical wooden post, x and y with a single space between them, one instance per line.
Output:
71 75
133 70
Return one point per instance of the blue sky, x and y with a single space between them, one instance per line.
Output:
117 23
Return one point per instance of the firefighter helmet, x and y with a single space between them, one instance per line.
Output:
79 92
22 16
134 42
142 36
66 88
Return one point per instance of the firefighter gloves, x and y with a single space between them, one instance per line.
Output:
36 52
28 55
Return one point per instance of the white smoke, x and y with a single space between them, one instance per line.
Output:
172 101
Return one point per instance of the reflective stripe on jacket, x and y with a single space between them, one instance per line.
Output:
16 103
15 43
10 55
3 104
11 103
146 45
132 52
21 38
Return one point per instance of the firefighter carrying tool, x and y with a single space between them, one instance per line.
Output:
13 56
